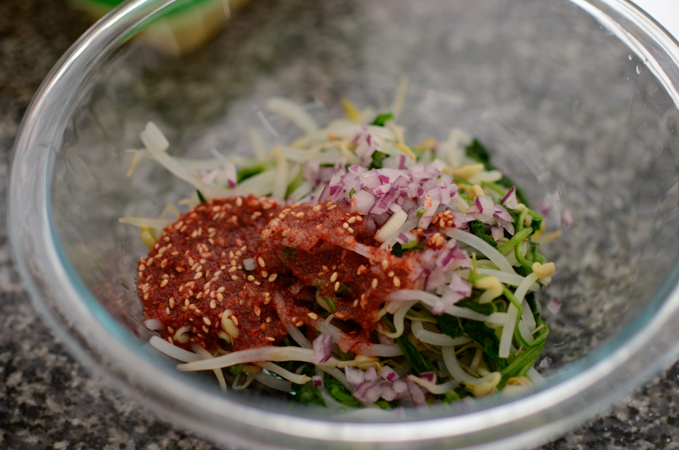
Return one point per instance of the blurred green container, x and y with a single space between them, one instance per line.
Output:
186 26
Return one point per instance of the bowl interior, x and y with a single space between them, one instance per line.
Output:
568 110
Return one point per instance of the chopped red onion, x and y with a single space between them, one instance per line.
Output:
458 289
546 362
388 374
436 278
362 202
509 200
383 189
429 213
428 376
448 254
388 393
366 144
403 238
460 220
416 393
318 381
323 348
567 218
438 165
369 391
230 173
382 205
355 376
371 374
554 306
486 209
356 169
399 386
497 232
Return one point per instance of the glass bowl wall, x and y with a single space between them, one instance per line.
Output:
576 100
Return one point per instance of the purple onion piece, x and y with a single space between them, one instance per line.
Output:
355 376
371 374
509 199
416 394
388 374
323 348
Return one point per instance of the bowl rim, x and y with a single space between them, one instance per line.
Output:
602 376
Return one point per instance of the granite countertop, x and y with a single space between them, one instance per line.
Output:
48 400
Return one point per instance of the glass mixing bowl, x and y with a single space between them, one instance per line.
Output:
577 100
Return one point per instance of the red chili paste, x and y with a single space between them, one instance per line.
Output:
194 274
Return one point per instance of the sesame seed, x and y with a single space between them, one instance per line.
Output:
339 315
397 282
217 274
333 277
261 262
355 303
391 273
233 269
142 267
337 286
299 324
234 319
345 225
239 201
374 283
265 274
198 276
330 208
350 230
268 320
207 321
359 218
163 264
313 316
257 283
234 277
273 277
171 302
286 233
220 297
163 283
207 285
251 278
352 220
269 338
385 264
167 310
257 310
267 300
213 304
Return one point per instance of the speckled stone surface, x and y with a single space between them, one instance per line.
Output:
48 400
